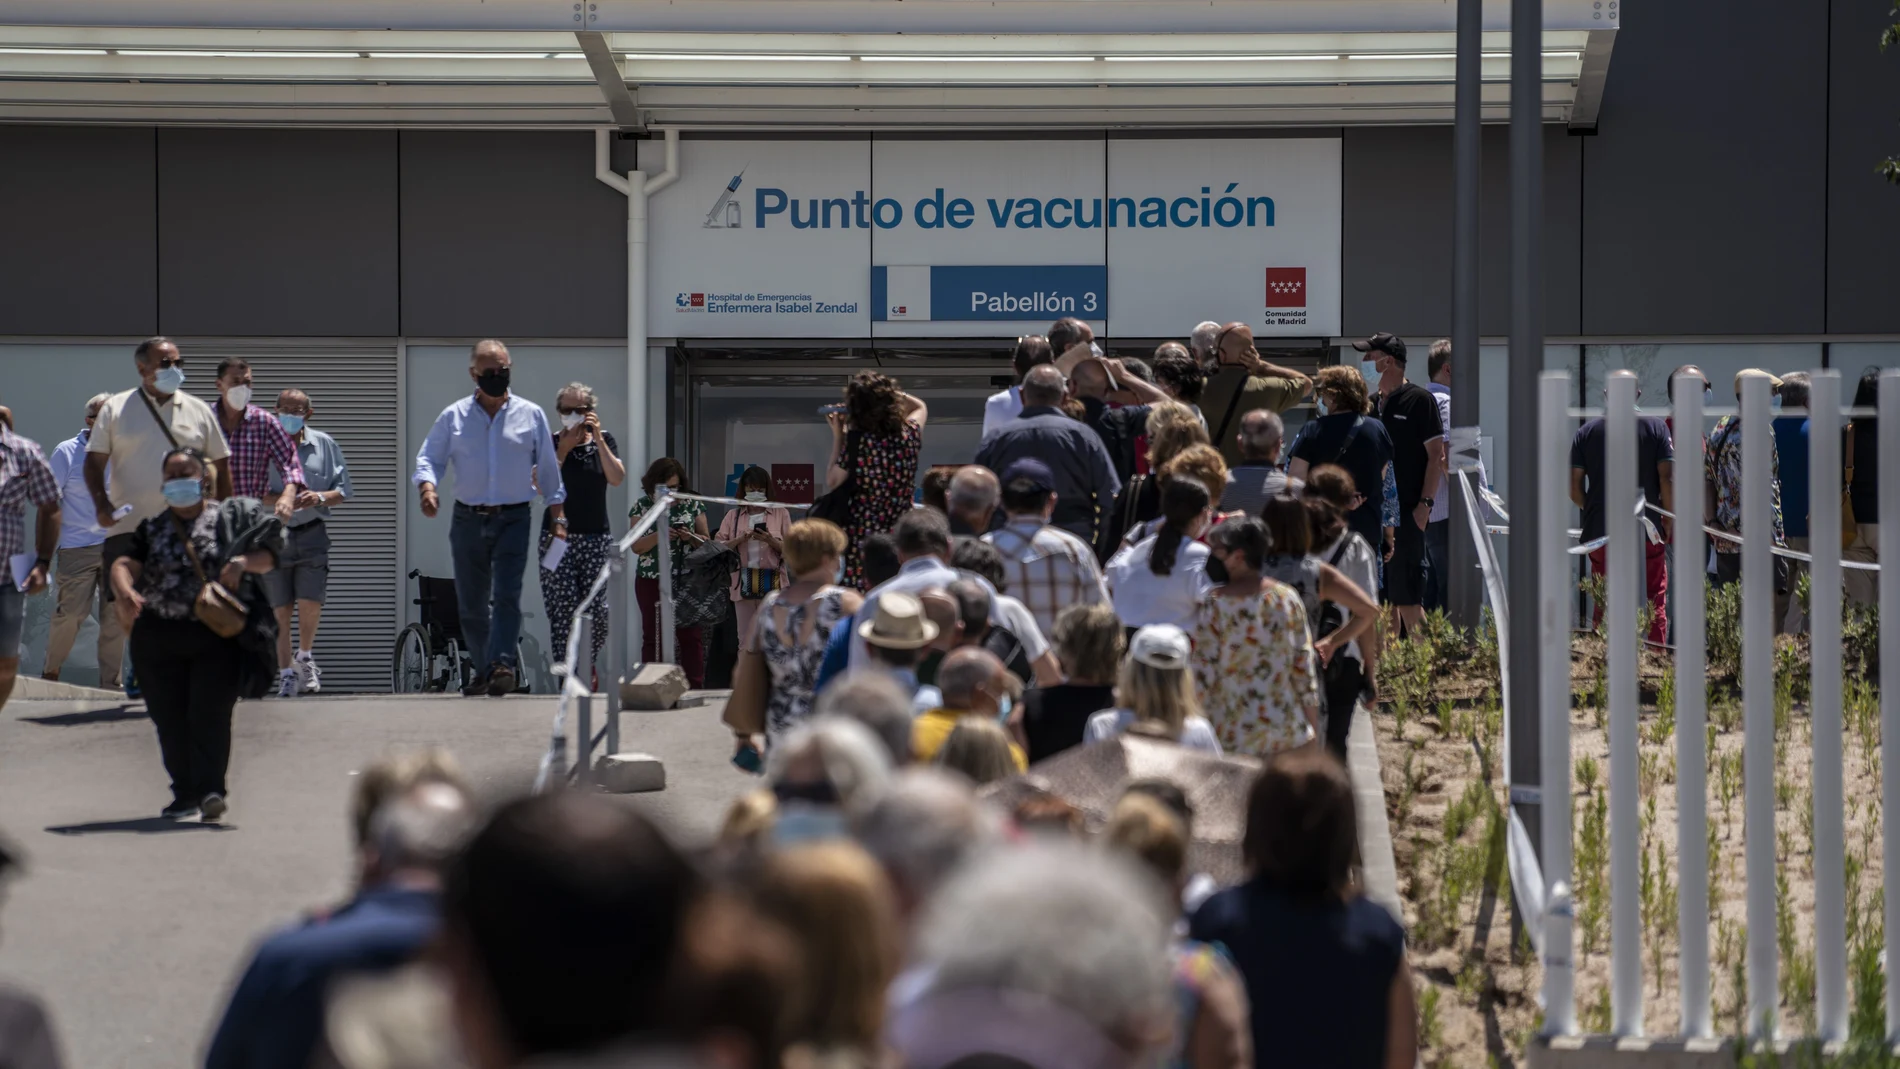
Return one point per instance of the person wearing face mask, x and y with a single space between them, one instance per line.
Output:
1346 434
133 427
686 527
1242 381
502 451
76 564
192 675
1162 578
792 625
303 574
260 448
974 682
757 535
1411 418
590 464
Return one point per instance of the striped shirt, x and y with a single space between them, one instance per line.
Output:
1048 569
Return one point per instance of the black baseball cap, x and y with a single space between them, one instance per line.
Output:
1390 344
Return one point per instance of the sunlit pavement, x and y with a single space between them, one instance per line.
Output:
132 927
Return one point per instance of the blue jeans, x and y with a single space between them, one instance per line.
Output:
491 557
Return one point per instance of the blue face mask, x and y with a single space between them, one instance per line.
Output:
802 822
169 379
182 493
1003 708
1319 404
292 424
837 578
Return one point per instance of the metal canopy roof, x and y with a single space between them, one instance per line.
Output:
914 64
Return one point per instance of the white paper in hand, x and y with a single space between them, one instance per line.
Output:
22 564
556 550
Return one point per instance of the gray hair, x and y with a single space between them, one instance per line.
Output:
972 489
1261 432
98 401
1093 937
585 391
1795 389
925 827
855 761
874 699
1201 342
1043 385
963 672
422 828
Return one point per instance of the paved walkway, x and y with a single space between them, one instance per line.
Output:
132 928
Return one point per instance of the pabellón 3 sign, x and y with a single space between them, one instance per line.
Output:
893 237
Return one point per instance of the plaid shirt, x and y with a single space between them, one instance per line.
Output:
1048 568
258 443
25 478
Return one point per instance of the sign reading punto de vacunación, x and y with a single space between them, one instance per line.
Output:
1142 237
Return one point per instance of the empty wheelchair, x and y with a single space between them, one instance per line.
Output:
431 657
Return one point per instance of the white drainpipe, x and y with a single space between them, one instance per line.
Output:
637 186
637 448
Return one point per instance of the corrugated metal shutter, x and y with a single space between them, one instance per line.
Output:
355 395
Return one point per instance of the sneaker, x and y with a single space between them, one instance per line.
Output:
212 808
501 679
131 684
286 683
179 810
476 688
309 676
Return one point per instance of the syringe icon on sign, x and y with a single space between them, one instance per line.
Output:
725 210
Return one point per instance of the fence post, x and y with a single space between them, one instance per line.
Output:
1824 705
584 740
1889 489
1689 580
1552 689
1622 594
663 501
1758 714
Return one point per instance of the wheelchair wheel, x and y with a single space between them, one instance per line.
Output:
461 671
410 672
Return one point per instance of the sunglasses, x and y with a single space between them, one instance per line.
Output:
573 411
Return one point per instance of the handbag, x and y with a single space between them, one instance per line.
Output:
755 583
835 504
701 591
215 607
751 681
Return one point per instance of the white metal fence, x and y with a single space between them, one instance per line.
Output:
1625 598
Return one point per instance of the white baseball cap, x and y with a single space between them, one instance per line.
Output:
1160 646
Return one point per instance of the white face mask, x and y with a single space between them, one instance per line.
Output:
755 495
571 420
238 396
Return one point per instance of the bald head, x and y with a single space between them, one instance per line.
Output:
967 673
1201 342
1090 379
1044 385
1236 342
973 494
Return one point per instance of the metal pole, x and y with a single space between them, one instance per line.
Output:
1550 616
1623 593
1824 637
1888 436
1689 569
1463 587
584 740
1527 362
1758 714
664 502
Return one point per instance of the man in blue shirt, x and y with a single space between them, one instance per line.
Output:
501 449
1791 444
302 574
1085 476
78 563
276 1014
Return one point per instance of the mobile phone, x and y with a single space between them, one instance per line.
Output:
757 519
826 410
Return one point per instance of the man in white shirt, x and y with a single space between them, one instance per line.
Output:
78 572
1438 530
1031 350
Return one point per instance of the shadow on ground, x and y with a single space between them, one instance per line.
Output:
89 716
137 826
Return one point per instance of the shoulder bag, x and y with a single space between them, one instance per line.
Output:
215 607
156 418
835 504
1220 436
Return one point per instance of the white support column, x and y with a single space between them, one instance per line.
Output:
1553 633
1623 593
1758 715
663 502
1824 630
1688 579
1888 437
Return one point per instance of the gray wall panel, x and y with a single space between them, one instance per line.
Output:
277 232
509 234
81 236
1863 209
1704 187
1398 231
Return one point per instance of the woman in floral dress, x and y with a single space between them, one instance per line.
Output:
1254 660
875 442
